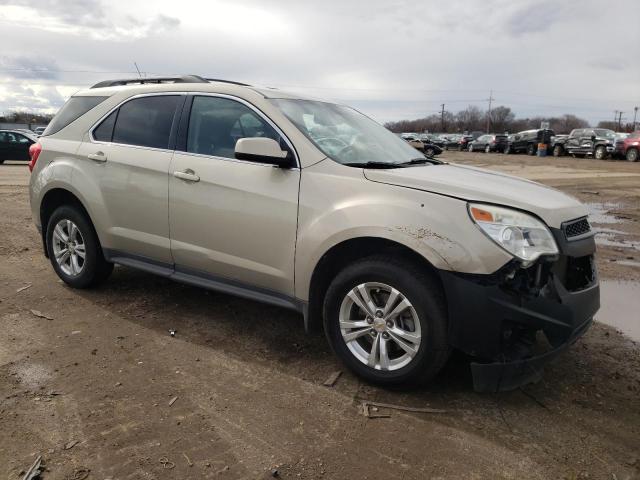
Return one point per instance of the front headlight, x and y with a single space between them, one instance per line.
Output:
522 235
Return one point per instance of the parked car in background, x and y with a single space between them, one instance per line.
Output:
39 130
451 141
631 146
581 142
429 149
488 143
14 144
618 146
463 142
432 139
526 141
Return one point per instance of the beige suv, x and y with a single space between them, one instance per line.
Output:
313 206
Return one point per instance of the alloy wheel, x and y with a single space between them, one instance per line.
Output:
380 326
69 248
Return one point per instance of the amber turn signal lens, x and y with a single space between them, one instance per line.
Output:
481 215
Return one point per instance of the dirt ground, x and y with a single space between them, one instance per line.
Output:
92 380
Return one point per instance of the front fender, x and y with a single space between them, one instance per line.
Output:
336 208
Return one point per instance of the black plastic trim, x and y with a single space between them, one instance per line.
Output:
202 279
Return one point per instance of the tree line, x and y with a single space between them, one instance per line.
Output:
501 120
26 117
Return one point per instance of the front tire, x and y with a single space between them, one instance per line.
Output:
386 320
74 249
600 153
470 148
632 155
531 150
487 149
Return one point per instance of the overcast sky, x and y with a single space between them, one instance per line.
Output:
393 59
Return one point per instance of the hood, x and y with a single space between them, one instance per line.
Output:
480 185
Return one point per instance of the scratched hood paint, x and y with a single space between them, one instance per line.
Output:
480 185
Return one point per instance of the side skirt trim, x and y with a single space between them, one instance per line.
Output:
205 280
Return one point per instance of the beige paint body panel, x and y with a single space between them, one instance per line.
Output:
238 221
134 186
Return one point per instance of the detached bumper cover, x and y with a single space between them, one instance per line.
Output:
499 318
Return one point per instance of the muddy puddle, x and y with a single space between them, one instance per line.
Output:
620 306
600 212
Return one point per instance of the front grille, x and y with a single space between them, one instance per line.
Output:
576 228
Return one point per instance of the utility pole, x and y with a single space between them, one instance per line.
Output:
136 65
442 118
489 111
620 120
635 116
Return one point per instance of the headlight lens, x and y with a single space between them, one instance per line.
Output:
522 235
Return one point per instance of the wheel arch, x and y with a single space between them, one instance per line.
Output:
345 252
51 200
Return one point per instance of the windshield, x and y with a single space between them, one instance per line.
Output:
345 135
601 132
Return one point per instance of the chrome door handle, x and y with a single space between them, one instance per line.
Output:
97 157
188 175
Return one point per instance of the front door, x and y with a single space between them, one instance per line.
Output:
232 219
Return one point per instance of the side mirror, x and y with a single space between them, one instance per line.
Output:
262 150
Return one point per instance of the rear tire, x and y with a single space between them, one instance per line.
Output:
421 324
632 155
531 150
507 150
487 149
69 236
470 148
429 152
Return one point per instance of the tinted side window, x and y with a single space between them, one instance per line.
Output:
146 121
70 111
104 131
216 124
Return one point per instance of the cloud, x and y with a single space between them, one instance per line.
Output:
392 59
36 67
83 18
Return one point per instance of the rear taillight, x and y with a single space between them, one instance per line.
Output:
34 153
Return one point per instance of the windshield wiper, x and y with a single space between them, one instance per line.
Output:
423 160
380 165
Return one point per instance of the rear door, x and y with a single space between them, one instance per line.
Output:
231 220
130 153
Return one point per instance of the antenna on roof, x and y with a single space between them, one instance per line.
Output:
139 74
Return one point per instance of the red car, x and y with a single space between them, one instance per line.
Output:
631 146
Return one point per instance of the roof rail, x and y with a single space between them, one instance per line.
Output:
141 81
227 81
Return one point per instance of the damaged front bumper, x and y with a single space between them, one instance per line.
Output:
516 320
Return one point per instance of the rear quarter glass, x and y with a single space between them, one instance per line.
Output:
71 111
